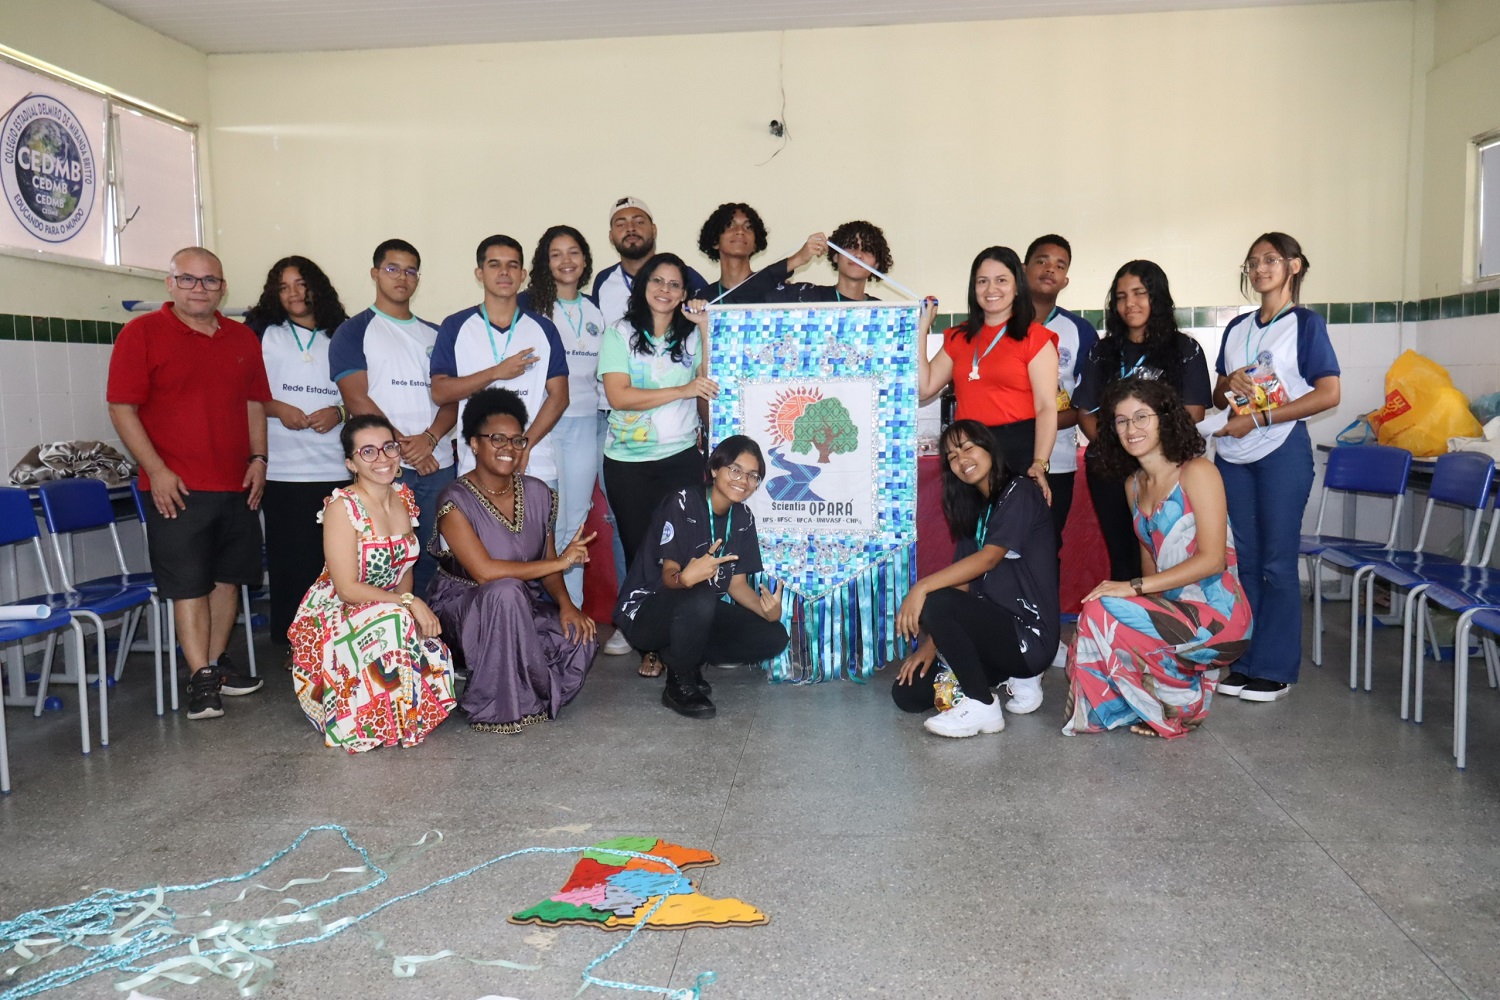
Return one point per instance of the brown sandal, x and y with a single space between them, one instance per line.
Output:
651 665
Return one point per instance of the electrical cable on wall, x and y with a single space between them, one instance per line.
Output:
778 125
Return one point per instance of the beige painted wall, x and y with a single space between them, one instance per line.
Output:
1462 102
94 42
1173 136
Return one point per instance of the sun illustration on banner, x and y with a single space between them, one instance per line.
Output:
785 409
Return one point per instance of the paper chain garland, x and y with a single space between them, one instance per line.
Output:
122 931
843 590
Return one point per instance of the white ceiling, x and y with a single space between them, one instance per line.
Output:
222 26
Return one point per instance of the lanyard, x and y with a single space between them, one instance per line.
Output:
489 330
1251 358
982 528
1050 317
306 349
974 369
728 522
576 325
1133 368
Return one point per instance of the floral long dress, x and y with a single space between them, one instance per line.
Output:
1142 659
362 673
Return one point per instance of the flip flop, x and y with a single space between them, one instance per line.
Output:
651 665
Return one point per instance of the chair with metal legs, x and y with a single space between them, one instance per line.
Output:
18 623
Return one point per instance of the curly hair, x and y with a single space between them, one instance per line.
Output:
1022 310
1162 350
718 224
962 503
490 402
638 313
1179 437
542 286
861 235
1289 249
328 312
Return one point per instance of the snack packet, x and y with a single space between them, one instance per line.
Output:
1269 392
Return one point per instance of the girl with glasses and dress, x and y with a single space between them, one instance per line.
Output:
368 666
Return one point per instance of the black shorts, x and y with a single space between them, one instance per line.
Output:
215 540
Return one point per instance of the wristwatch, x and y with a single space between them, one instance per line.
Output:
1138 587
407 598
1044 463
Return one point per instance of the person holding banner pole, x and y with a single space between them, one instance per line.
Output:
731 236
1001 362
654 370
687 597
863 254
993 615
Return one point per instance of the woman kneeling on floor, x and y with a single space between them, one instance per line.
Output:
1146 650
993 615
686 599
367 664
499 587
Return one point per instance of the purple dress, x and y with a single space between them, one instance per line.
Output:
522 668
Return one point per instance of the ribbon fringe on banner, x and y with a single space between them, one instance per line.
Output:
829 393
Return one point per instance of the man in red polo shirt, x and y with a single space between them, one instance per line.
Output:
186 393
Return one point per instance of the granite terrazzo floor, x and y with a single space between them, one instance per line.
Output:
1318 847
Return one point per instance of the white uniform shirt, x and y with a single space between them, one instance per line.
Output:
394 355
1076 336
296 363
1295 343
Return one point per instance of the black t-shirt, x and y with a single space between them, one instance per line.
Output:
1191 384
762 286
1025 581
680 531
802 291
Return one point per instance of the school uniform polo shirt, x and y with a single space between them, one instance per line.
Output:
1076 336
1296 345
466 344
191 391
394 355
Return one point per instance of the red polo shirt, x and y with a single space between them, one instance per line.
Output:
1002 393
191 391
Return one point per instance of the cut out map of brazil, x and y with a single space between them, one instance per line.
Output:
613 891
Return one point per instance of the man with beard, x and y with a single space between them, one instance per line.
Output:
633 235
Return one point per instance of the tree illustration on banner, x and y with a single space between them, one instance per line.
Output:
826 426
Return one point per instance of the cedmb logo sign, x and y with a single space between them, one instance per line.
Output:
47 168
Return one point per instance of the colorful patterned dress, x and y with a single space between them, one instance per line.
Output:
1137 659
362 673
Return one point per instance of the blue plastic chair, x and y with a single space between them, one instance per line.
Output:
17 624
1473 593
18 526
1377 470
1487 617
171 625
1459 479
70 506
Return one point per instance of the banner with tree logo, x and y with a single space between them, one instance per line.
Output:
829 393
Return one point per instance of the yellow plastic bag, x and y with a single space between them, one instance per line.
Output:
1422 408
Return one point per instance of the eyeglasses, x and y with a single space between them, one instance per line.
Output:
1269 262
1140 421
737 474
671 286
396 271
390 449
210 282
517 443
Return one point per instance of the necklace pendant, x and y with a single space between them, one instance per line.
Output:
974 373
307 357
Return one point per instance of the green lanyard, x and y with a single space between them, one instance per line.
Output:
982 528
489 329
578 324
1250 359
306 349
974 369
728 521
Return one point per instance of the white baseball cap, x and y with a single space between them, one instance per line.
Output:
628 202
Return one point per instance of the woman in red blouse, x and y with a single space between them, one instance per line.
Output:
1002 363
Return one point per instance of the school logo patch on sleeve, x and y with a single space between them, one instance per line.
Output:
667 533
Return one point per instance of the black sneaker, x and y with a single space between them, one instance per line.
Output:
1260 689
232 683
203 700
1233 684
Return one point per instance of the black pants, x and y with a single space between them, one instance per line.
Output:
294 546
1112 508
977 639
1017 441
688 628
635 488
1061 484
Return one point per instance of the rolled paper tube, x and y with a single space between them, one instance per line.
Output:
24 612
885 278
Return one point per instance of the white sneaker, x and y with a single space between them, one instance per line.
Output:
967 718
617 645
1025 695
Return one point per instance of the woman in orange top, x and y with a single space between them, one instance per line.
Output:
1004 361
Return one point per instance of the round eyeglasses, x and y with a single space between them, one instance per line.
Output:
390 450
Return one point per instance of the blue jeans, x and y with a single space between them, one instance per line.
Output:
1266 499
426 489
576 444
